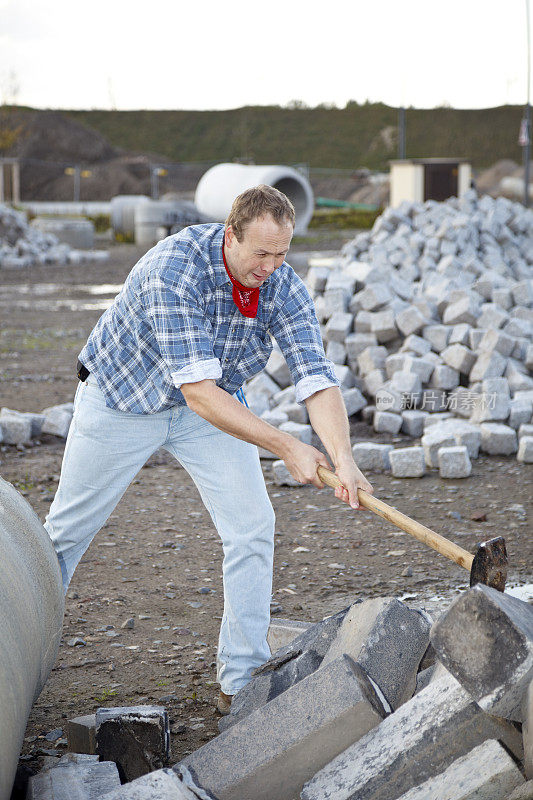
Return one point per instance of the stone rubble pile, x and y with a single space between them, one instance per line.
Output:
23 427
22 245
428 319
373 703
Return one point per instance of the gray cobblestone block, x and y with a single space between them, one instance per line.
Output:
502 297
526 429
336 352
387 422
287 395
520 351
454 462
389 399
488 365
363 322
416 344
383 326
316 279
304 433
339 326
372 358
433 439
340 280
497 340
493 403
459 357
406 383
485 639
418 741
81 734
408 462
434 401
374 296
261 384
486 773
444 377
344 375
460 334
520 413
388 640
528 359
296 412
278 369
353 400
518 328
15 429
491 316
463 310
374 381
275 417
476 336
498 439
401 287
320 308
461 402
518 381
282 476
397 362
525 449
410 320
36 420
66 781
413 422
422 366
523 293
136 738
335 300
427 308
354 306
356 343
281 744
372 456
437 336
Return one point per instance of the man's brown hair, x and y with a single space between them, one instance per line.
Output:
257 202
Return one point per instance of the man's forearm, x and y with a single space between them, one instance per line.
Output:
223 411
327 414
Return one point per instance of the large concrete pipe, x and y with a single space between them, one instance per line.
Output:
31 618
123 213
155 219
220 185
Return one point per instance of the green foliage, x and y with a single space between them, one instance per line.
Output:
101 222
343 218
344 138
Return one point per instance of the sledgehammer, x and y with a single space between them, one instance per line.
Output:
488 565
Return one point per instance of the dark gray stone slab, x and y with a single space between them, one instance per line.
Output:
485 640
136 738
74 782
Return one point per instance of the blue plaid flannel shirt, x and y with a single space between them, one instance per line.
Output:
175 322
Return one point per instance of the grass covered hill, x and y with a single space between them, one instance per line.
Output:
356 136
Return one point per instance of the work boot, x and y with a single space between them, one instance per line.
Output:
224 703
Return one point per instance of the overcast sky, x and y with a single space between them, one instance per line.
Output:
168 54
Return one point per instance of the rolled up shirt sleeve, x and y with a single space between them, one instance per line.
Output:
176 314
295 327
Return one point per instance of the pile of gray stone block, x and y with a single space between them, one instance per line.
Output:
427 317
23 427
375 702
23 245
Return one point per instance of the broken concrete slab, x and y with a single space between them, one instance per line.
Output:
136 738
271 753
284 631
162 784
418 741
485 640
81 781
289 664
486 773
389 640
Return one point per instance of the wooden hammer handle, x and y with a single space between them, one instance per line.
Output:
405 523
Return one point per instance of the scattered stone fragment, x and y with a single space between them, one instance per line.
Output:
136 738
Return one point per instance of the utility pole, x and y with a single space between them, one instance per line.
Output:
401 133
525 133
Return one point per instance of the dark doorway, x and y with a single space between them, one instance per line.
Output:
440 181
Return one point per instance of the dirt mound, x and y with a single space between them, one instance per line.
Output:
488 181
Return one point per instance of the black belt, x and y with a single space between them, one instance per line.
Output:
81 371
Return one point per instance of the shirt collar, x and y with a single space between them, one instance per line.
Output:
217 262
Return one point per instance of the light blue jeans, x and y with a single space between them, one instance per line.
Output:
104 451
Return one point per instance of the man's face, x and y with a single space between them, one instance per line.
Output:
263 248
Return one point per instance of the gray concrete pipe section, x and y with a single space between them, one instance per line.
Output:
220 185
31 618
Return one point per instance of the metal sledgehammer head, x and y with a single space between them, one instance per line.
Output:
490 564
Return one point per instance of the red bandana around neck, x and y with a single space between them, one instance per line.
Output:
245 299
